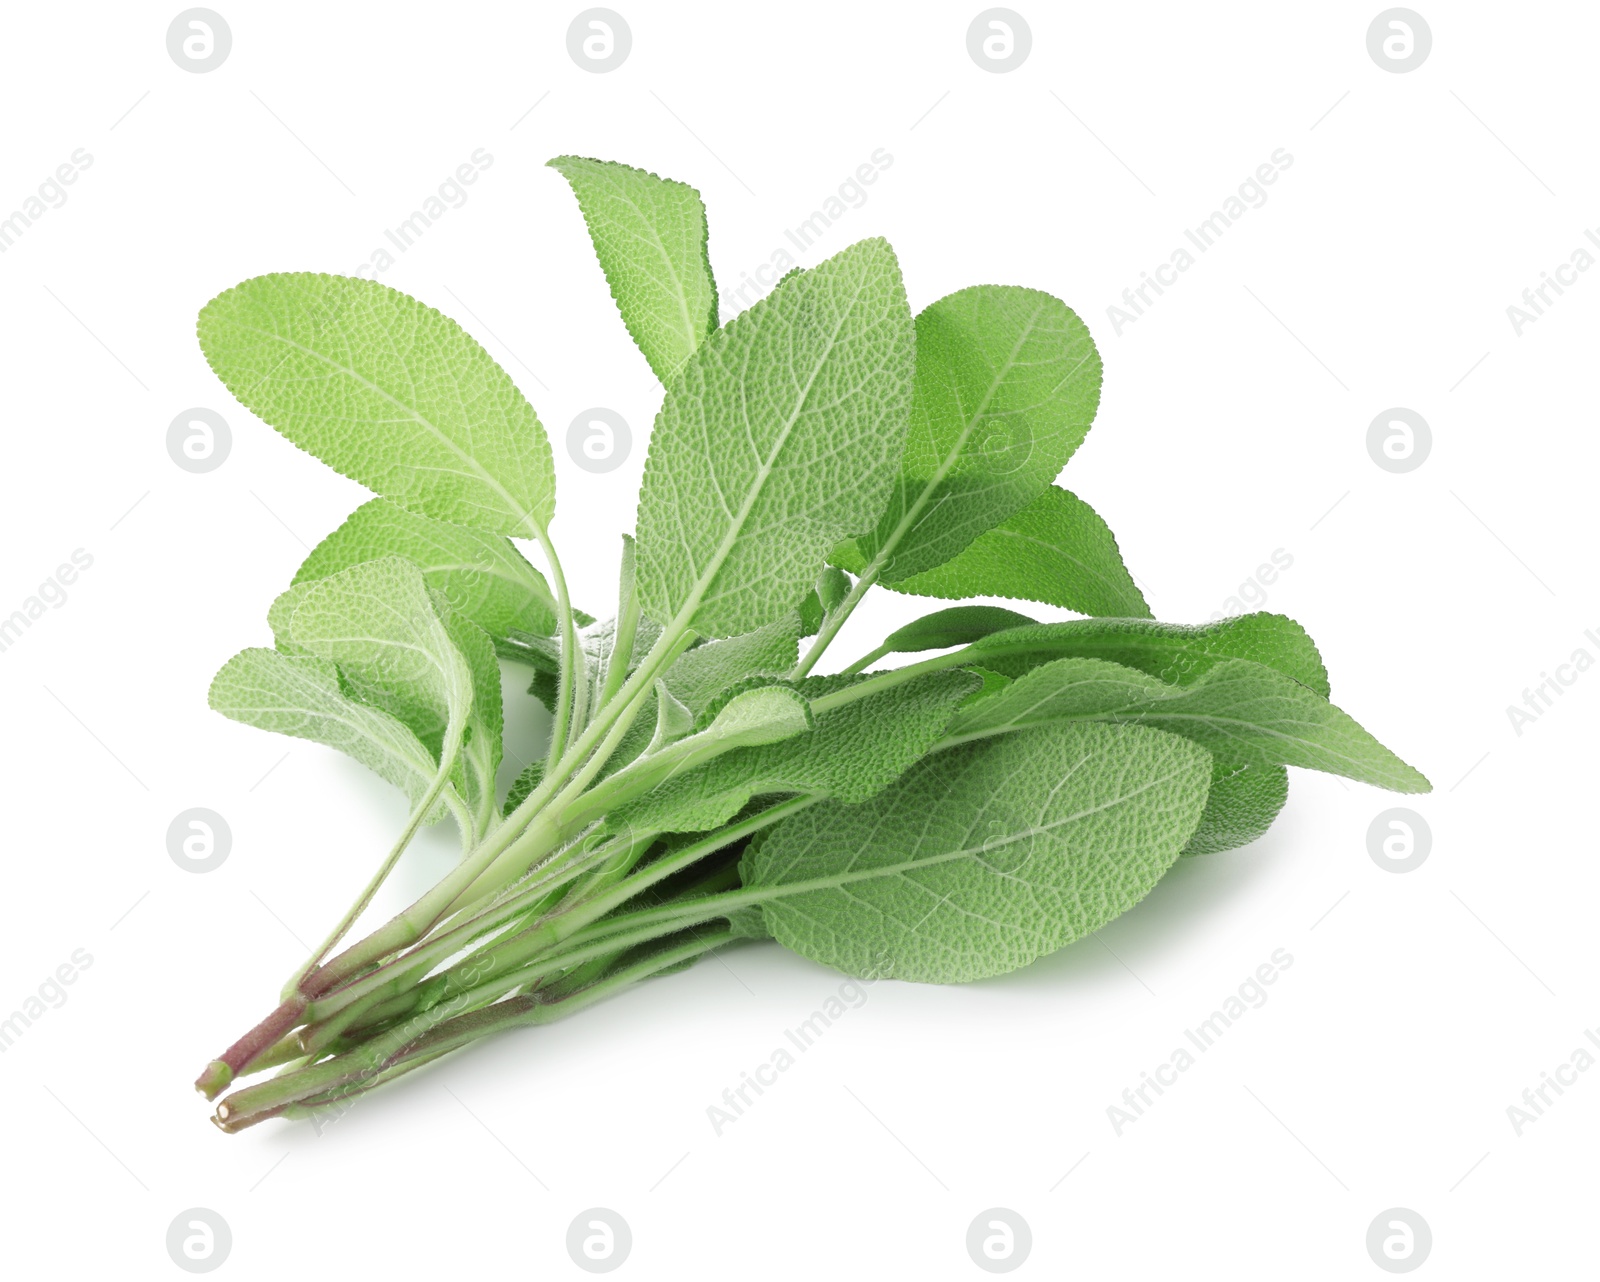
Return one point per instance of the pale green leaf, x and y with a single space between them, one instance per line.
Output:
300 695
979 860
779 438
763 715
1056 550
674 719
543 653
1174 652
752 718
832 587
522 787
701 674
650 236
1245 712
856 749
959 625
1242 803
483 576
706 671
388 391
482 742
280 612
993 683
748 923
1007 383
378 623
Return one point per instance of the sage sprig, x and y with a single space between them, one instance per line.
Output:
1000 789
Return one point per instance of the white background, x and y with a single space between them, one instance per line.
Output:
1418 1007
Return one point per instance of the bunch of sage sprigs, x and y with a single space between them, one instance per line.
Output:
946 819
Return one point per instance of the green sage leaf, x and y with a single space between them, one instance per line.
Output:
1007 384
856 749
650 236
982 859
1056 550
959 625
1172 651
1245 712
300 695
483 576
387 391
1242 803
379 624
779 438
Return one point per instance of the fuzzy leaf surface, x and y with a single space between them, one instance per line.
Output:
779 438
1007 384
483 576
856 749
959 625
523 786
701 674
387 391
1057 550
650 236
1245 712
300 695
706 671
1242 803
1174 652
982 859
483 740
378 623
761 716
